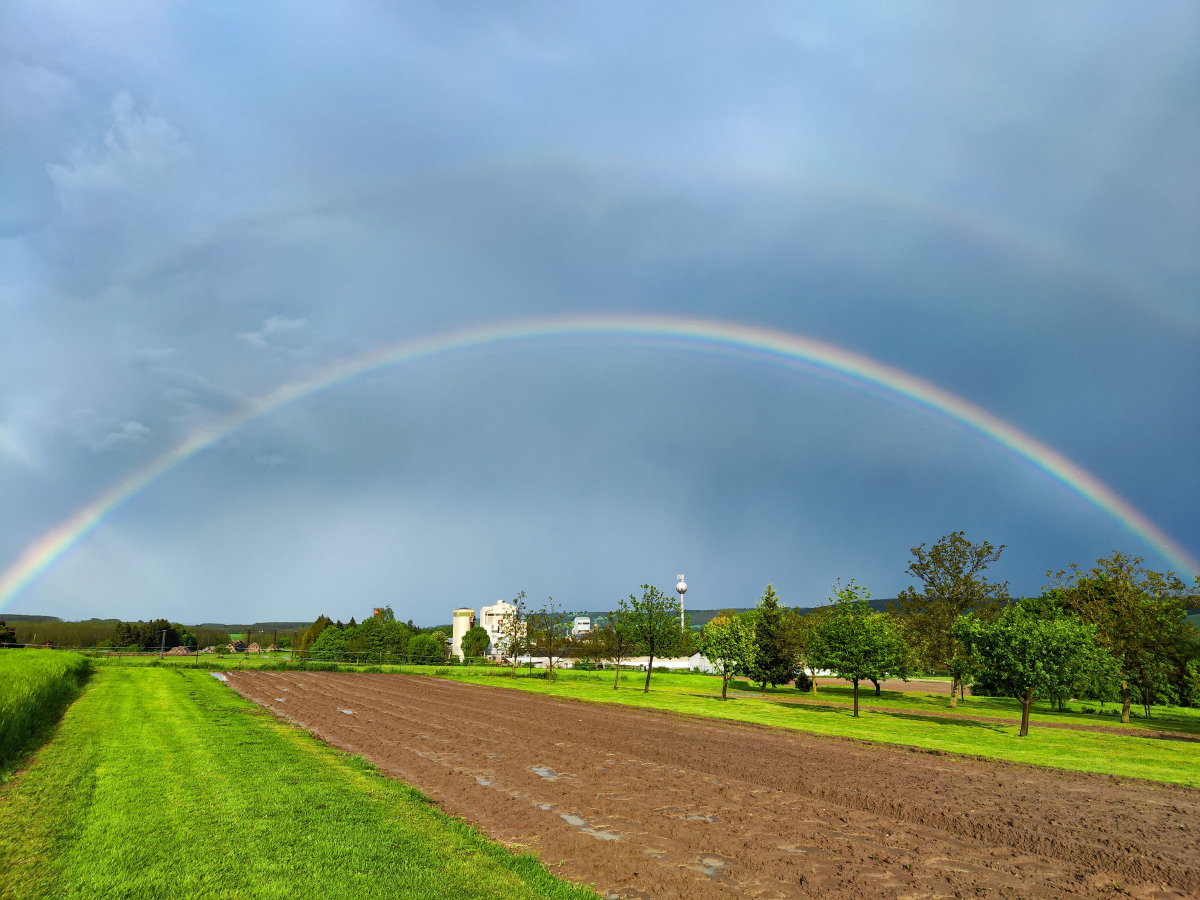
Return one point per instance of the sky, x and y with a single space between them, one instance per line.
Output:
201 203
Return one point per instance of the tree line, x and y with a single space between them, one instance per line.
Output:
1116 632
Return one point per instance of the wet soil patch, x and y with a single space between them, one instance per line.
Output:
645 804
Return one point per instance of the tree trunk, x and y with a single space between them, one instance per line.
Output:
814 682
856 698
1147 701
1026 701
649 669
875 682
954 692
724 683
617 679
1126 702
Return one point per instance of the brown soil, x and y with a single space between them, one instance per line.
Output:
645 804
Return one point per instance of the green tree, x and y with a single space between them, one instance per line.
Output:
774 659
728 641
514 632
1030 653
654 623
426 649
476 642
309 636
332 643
613 641
1140 618
951 574
549 634
803 637
856 643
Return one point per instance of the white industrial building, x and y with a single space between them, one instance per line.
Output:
490 619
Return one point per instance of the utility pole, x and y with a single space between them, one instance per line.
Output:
163 648
681 587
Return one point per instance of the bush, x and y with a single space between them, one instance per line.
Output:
35 687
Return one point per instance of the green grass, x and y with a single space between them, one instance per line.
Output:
1133 754
162 782
35 688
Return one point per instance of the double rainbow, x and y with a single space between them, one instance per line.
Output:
726 338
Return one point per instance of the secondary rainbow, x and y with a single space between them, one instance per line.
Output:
729 338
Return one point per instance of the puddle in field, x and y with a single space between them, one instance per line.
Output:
711 865
483 781
545 772
547 805
581 824
348 712
220 676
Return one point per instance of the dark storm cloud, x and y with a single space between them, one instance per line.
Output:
201 203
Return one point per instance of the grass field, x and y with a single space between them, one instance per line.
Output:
161 782
1136 753
35 688
908 718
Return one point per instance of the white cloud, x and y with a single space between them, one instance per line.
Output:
138 147
103 435
271 326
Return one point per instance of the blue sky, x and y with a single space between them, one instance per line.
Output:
199 203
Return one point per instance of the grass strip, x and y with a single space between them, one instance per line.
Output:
162 782
1135 756
35 687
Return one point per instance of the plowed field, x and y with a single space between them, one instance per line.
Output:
651 805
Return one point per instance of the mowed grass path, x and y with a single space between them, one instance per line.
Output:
163 782
1135 754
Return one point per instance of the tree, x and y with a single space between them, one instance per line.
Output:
1032 655
1140 618
953 584
310 634
8 634
514 631
774 659
613 641
803 632
426 648
856 643
549 634
728 641
331 643
475 642
654 623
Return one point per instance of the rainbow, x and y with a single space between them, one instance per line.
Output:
726 338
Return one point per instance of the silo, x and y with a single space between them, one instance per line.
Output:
464 621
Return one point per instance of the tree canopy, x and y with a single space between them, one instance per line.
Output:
856 643
1032 651
951 575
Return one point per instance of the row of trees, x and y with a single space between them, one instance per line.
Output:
1115 632
381 636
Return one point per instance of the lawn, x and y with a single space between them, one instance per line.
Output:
1136 753
162 782
897 717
